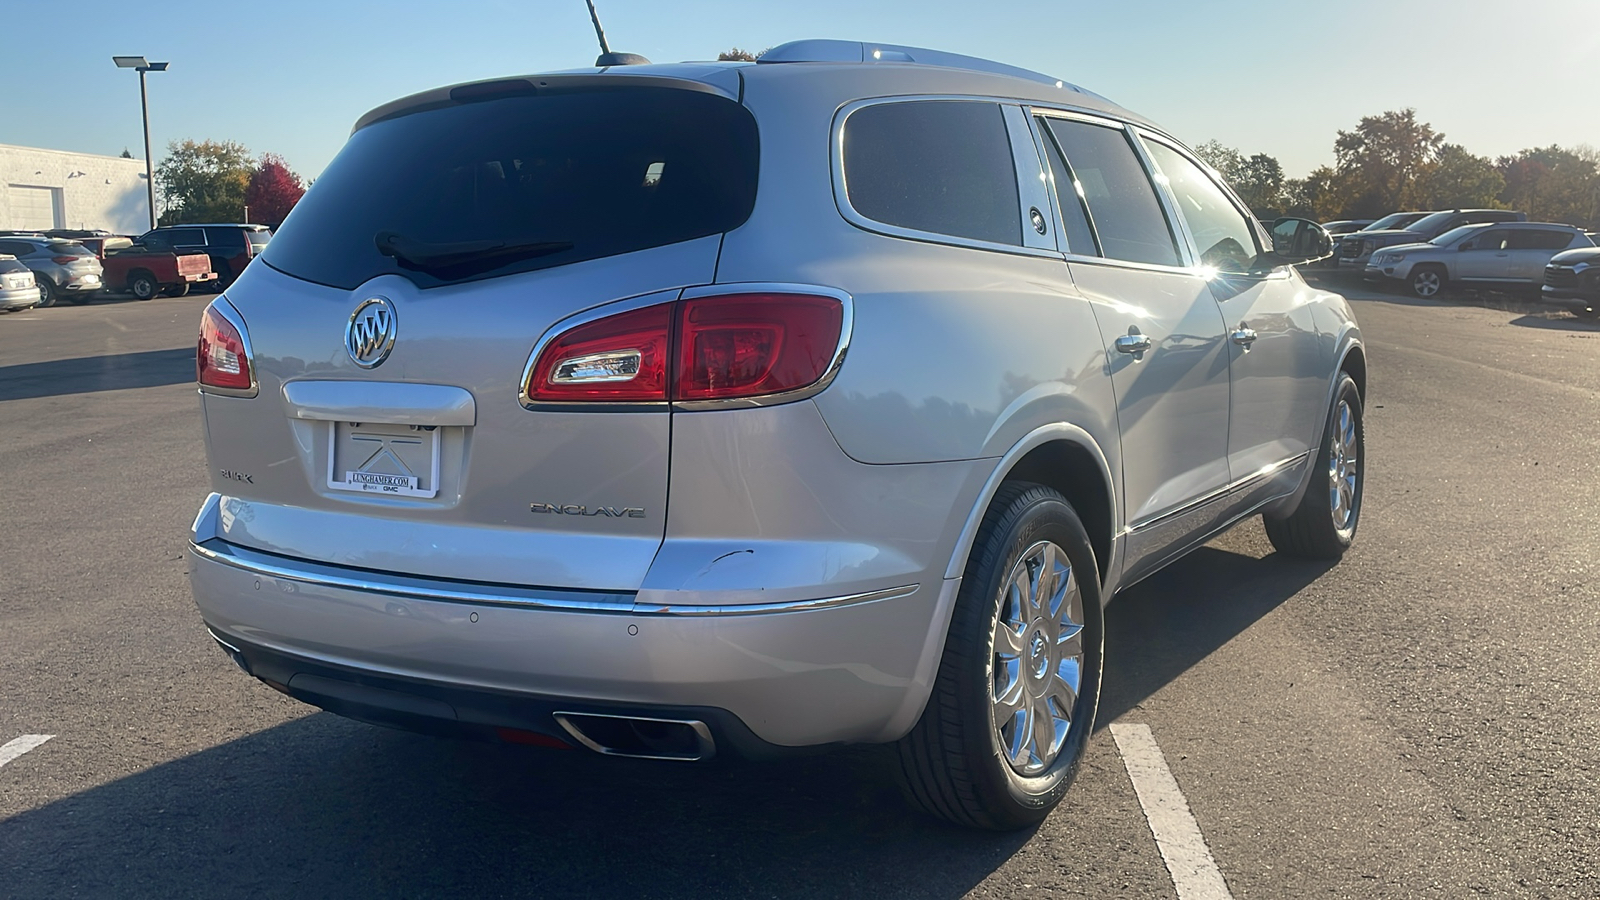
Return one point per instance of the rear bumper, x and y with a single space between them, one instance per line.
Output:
846 669
18 298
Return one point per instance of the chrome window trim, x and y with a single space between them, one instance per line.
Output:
841 194
271 565
1180 240
846 329
1250 220
225 309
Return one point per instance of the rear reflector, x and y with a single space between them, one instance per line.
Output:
727 346
220 359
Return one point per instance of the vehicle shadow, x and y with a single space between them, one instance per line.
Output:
1558 323
324 807
88 374
1161 627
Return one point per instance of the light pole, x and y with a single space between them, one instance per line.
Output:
143 65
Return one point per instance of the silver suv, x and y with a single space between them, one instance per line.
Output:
1505 255
726 408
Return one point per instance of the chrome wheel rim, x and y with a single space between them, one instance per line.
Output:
1344 467
1037 665
1426 283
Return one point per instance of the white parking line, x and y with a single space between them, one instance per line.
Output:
1183 848
14 748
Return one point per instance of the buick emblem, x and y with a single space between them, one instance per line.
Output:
370 335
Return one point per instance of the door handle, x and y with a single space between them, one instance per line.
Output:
1244 337
1133 343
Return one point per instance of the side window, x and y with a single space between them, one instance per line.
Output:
156 240
15 248
186 237
939 166
1069 196
1495 239
231 238
1122 201
1539 239
1223 234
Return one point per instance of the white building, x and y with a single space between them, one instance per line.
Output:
41 189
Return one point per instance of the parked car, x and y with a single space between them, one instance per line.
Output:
583 462
1392 220
231 247
17 289
1345 226
61 268
146 271
1353 254
1498 254
1572 280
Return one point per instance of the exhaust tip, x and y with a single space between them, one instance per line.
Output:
639 737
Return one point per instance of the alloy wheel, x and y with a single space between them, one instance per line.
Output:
1426 283
1037 658
1344 467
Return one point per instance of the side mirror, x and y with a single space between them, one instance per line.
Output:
1299 241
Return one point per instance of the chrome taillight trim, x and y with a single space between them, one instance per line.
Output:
226 310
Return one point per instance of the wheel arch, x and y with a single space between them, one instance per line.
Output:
1067 459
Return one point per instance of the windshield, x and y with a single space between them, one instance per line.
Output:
1392 220
595 172
1454 235
1430 223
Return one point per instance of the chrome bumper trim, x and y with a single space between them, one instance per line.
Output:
273 566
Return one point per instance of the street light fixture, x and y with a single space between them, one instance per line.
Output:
144 65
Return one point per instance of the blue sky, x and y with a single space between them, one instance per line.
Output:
292 76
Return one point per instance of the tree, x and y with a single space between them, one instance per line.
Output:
737 55
1258 179
126 154
1456 179
1218 156
1379 160
204 182
273 190
1553 184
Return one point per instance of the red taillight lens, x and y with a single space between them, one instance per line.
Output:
709 348
221 360
749 345
621 358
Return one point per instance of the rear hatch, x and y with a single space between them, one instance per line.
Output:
422 458
77 259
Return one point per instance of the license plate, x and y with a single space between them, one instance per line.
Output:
389 460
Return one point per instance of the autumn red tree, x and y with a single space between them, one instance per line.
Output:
274 190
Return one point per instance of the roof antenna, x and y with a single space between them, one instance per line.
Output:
607 58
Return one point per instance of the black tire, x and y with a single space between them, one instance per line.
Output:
47 291
142 285
1310 532
176 290
1428 282
952 765
81 298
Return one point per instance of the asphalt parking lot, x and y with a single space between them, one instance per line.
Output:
1418 721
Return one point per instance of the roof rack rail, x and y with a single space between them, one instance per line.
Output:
822 50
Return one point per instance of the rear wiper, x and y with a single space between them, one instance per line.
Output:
443 257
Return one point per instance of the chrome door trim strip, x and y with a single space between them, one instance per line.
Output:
549 599
1261 474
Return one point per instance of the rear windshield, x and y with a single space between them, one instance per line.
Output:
606 171
67 248
259 238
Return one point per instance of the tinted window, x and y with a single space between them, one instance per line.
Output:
1489 240
67 248
1080 236
15 248
230 238
185 237
1223 235
1539 239
258 239
1120 197
1453 235
607 172
941 166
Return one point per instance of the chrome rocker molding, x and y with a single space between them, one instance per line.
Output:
271 566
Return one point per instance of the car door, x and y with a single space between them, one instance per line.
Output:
1164 335
1484 257
1277 373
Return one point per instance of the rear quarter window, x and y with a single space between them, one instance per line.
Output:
608 171
228 238
938 166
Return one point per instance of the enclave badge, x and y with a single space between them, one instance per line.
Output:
572 509
370 335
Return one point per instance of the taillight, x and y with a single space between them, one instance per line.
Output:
721 347
221 360
64 260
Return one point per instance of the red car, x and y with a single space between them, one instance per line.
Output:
144 271
231 247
